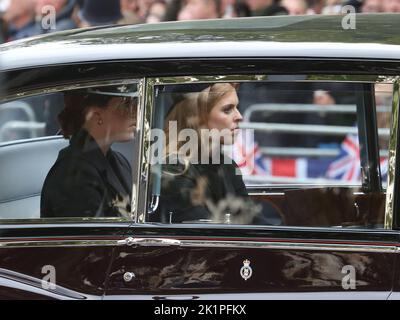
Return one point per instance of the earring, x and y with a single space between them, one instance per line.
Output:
100 122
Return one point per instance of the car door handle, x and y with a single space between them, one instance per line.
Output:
130 241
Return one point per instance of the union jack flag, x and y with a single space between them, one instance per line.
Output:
347 166
251 161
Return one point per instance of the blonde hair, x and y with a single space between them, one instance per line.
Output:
193 112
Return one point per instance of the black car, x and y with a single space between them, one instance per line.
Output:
319 113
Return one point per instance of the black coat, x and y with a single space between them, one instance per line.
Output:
85 183
202 192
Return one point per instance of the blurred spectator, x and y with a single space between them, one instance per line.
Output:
20 19
235 8
242 9
99 12
323 98
332 7
129 6
315 6
130 12
63 9
371 6
265 8
295 7
356 4
157 11
391 6
144 7
200 9
173 8
228 8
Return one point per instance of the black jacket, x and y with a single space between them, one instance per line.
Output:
203 191
85 183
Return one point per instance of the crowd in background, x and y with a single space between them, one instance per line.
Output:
24 18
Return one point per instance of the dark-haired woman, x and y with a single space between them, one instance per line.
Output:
89 179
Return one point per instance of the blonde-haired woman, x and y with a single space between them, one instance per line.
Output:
203 183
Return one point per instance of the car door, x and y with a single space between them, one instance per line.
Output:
48 258
324 193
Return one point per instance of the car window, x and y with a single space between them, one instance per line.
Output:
30 117
68 154
297 159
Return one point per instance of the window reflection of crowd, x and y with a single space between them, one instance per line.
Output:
300 94
23 18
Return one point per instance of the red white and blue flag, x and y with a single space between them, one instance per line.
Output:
345 167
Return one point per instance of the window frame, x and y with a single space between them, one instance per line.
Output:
372 164
57 88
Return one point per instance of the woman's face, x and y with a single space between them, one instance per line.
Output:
225 116
119 119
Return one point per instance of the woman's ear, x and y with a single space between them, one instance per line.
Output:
94 115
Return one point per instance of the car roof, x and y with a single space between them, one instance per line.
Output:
375 36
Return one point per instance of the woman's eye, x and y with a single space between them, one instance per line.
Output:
227 109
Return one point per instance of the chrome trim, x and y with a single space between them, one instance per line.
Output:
57 243
75 52
152 82
289 246
144 151
66 87
265 193
274 78
138 148
155 201
79 220
206 244
391 177
268 193
149 242
82 85
129 276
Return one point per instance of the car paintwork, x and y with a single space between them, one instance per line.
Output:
375 37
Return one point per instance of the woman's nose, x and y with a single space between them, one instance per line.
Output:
238 116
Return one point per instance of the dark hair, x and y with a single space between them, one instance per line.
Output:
72 117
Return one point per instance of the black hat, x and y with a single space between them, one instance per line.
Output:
123 90
100 12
